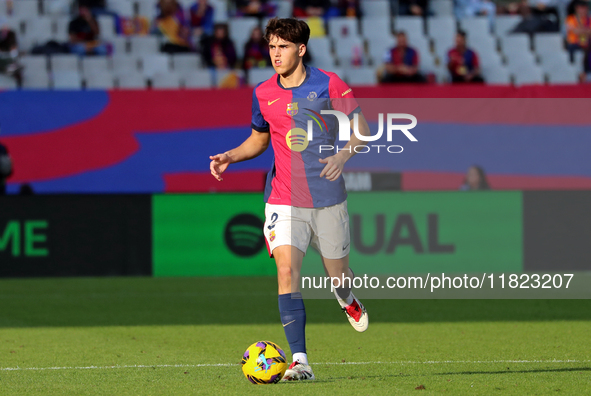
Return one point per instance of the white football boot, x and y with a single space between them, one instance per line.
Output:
357 315
298 372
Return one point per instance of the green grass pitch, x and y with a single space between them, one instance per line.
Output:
142 336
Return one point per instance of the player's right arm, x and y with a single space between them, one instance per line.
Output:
255 145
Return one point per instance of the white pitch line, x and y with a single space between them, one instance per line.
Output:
325 363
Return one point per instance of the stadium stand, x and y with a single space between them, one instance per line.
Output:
356 45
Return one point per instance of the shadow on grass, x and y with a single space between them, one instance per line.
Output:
247 300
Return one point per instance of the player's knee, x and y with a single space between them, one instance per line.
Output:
284 274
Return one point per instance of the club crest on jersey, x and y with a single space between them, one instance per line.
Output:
292 109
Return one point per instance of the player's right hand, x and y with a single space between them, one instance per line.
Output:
219 163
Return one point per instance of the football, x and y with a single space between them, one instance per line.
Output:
264 363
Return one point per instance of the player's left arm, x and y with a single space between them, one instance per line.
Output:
343 100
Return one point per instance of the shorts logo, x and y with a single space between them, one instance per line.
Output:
297 139
272 236
292 109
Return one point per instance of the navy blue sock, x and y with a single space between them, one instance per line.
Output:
293 318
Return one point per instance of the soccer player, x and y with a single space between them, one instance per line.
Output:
305 192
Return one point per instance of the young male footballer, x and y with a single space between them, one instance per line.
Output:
305 192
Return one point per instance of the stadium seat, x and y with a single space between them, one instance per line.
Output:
103 79
377 48
123 8
37 31
515 43
427 63
120 44
411 25
321 53
35 79
442 31
482 44
7 82
563 75
131 81
258 75
3 9
64 62
347 49
240 29
529 75
490 59
106 27
34 63
578 61
62 24
361 76
143 45
548 43
124 64
343 27
147 8
154 64
220 13
496 74
475 26
442 7
67 79
375 8
520 60
168 80
504 24
554 59
284 8
56 7
95 64
186 62
198 79
22 9
373 28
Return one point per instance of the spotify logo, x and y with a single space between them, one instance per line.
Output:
297 139
244 235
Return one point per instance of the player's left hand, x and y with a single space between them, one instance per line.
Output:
334 167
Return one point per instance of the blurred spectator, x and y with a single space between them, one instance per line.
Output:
218 51
463 62
201 19
136 25
349 8
475 179
172 25
9 53
84 34
401 63
255 8
413 7
578 28
313 8
5 168
472 8
256 51
26 190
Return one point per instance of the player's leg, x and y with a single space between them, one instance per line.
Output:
292 310
332 239
287 237
343 282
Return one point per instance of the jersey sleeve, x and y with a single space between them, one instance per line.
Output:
341 97
258 122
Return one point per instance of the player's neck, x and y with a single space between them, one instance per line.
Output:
295 78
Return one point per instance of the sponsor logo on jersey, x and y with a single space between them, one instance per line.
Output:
292 109
297 139
270 102
346 92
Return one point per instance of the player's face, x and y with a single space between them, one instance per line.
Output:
285 56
